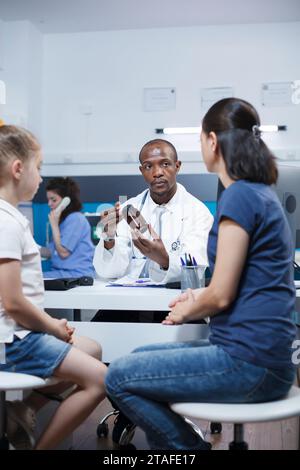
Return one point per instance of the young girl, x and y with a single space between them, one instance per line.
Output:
31 341
249 300
71 250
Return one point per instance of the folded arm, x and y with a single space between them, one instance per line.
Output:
22 310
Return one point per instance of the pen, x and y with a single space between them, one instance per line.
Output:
182 262
186 260
195 262
190 262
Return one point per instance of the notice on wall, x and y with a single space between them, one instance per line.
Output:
277 94
2 92
210 96
159 99
1 45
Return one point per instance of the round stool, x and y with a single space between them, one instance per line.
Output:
10 381
242 413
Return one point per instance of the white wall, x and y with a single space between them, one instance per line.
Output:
22 53
108 71
53 80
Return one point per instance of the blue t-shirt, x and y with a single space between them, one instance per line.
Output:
257 326
75 236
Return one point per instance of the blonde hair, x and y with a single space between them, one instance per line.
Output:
16 143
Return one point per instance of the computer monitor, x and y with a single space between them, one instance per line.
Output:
288 192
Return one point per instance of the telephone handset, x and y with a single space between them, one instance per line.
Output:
62 205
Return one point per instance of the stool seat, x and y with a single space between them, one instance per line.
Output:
51 381
243 412
15 381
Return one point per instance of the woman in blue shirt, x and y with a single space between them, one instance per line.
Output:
71 250
249 300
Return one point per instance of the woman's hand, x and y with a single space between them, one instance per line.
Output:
182 297
54 218
181 308
54 222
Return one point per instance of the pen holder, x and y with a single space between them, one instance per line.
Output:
192 277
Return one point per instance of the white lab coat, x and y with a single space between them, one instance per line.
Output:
185 227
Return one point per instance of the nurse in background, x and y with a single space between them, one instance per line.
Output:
71 249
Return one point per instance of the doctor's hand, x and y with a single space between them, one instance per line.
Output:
182 309
109 220
153 249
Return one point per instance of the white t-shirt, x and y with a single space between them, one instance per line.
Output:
16 242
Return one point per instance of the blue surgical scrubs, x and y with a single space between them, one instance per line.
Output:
75 233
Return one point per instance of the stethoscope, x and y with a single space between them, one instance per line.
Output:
175 246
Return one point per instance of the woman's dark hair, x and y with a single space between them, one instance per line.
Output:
66 187
236 124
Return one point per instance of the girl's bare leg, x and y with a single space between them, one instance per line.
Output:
88 373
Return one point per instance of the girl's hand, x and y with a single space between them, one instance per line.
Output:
181 310
61 330
70 330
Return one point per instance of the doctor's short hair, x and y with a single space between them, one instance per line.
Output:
66 187
16 143
246 156
154 142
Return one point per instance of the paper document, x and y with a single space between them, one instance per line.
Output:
127 281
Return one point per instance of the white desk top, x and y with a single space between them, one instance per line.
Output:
99 296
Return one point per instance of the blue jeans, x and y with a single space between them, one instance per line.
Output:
144 383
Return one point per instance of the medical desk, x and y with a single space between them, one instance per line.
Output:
118 339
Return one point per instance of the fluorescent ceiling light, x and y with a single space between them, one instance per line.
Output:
272 128
178 130
197 130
